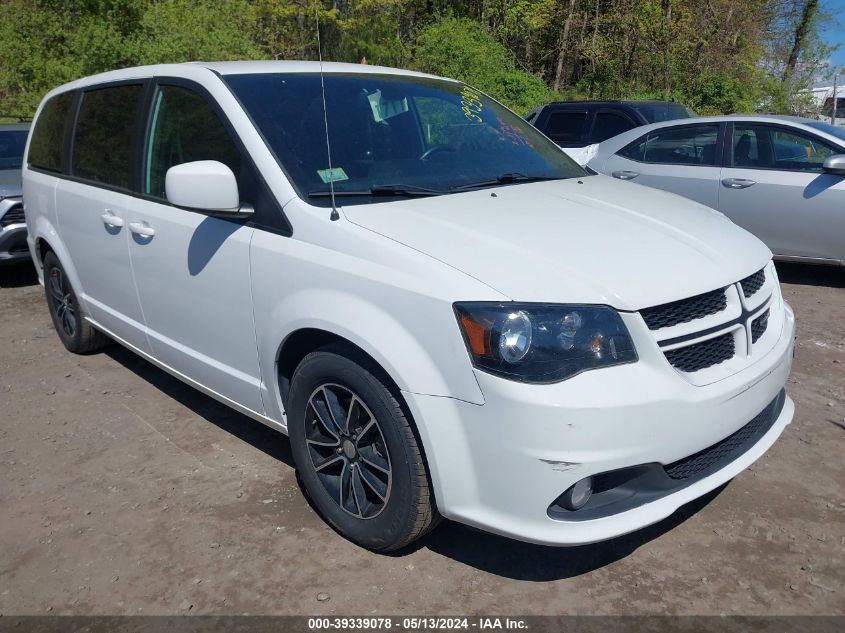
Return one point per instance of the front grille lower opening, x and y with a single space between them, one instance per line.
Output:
15 215
725 451
633 486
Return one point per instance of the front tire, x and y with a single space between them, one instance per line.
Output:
358 458
75 333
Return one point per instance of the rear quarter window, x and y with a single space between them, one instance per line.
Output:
45 148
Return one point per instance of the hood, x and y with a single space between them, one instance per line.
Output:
10 183
597 240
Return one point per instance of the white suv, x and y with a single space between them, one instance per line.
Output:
446 314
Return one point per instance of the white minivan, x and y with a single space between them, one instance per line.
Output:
447 315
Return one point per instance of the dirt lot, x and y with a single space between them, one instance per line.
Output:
124 492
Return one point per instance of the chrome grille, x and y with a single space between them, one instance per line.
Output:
13 216
685 310
702 355
753 283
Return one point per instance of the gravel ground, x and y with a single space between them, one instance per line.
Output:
125 492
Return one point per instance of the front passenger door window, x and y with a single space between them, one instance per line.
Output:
184 129
774 187
793 150
766 147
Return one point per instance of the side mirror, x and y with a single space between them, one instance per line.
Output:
834 165
207 186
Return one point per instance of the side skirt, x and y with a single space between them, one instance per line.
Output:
273 424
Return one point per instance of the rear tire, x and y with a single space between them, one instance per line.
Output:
75 333
356 453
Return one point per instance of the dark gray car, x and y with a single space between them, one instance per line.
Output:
13 246
781 178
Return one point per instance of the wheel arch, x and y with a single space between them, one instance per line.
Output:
46 240
42 247
299 343
303 341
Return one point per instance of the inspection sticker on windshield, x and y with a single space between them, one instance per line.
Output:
334 174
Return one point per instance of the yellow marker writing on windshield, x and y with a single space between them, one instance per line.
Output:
471 104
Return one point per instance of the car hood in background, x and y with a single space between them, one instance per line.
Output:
596 240
10 183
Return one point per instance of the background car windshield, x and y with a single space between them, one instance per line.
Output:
657 112
833 130
12 144
392 131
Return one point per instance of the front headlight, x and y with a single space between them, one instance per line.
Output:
541 343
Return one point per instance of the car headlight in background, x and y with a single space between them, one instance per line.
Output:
543 343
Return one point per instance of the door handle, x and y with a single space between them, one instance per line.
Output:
142 228
625 175
738 183
110 219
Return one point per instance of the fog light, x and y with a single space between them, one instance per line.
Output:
577 495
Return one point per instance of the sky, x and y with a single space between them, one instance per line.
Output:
834 32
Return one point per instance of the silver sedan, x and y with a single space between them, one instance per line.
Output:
781 178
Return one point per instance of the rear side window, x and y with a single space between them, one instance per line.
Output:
566 127
105 129
45 149
185 128
609 124
689 145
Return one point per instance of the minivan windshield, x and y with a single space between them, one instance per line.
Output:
393 136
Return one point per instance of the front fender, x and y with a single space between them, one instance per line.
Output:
402 344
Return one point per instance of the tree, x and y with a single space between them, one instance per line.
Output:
717 55
811 8
185 30
462 49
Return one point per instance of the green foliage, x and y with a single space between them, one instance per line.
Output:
719 93
462 49
717 56
288 30
185 30
44 44
371 31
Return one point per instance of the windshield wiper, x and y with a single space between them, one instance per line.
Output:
504 179
379 190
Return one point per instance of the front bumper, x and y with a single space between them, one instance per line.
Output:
13 244
499 466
